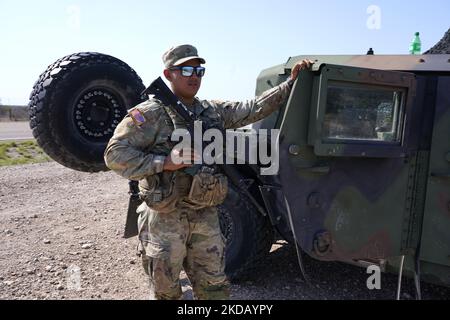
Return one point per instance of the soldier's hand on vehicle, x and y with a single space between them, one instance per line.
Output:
180 158
302 65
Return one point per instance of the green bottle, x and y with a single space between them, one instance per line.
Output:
416 45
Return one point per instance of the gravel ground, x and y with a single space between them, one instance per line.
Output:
61 239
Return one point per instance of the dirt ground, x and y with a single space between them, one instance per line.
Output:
61 238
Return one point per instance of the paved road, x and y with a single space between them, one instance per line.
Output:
19 130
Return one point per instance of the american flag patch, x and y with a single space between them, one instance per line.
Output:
137 117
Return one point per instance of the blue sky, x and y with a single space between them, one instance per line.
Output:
237 38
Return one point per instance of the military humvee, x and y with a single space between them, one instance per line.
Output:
364 150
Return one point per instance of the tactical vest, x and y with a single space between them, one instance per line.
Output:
167 191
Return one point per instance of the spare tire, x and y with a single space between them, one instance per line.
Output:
249 235
76 104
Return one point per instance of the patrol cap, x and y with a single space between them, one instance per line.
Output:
180 54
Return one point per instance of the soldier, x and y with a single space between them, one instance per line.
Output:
175 230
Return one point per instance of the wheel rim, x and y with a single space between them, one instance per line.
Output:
97 113
226 224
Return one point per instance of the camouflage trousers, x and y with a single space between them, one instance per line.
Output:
183 239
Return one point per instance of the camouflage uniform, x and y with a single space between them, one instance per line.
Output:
173 234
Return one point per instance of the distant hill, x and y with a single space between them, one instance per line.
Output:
442 47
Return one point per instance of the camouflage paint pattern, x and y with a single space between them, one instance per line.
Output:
436 223
355 204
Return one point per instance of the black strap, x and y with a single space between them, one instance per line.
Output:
161 92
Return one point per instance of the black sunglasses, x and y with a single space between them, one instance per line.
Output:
187 71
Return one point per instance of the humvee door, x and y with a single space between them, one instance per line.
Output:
436 221
345 161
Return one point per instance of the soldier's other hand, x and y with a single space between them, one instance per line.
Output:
302 65
180 158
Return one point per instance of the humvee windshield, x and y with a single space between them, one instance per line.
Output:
363 112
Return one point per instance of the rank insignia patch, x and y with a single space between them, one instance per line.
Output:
137 117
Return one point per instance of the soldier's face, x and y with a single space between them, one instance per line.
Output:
186 87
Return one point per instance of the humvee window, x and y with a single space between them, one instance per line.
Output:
362 112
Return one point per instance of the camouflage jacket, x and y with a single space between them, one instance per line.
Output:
137 151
